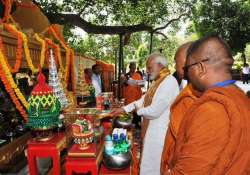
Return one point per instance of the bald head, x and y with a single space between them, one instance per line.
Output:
216 50
209 61
180 59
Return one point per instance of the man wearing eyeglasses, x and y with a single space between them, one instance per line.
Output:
213 137
178 109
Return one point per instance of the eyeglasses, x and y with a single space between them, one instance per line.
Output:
185 68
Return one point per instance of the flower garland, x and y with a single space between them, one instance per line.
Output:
19 51
10 85
13 29
57 52
43 49
73 70
7 10
27 53
11 81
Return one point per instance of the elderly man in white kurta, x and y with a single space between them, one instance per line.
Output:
154 107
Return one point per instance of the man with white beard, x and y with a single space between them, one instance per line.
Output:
154 107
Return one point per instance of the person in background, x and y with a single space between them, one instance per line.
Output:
96 79
132 91
178 109
180 59
213 137
154 107
245 73
88 75
138 71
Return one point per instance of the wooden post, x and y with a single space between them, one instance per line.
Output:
120 65
150 51
151 42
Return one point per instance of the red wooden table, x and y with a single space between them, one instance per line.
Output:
83 161
50 148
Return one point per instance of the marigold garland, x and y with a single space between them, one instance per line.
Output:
25 45
73 70
43 49
11 87
19 51
27 54
11 81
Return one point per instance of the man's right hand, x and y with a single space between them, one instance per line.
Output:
117 111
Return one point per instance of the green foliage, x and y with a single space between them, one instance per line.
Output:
247 52
116 12
238 61
229 18
238 58
126 12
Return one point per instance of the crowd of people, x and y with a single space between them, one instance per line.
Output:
196 122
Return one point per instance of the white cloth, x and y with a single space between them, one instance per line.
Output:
245 70
158 113
183 84
97 83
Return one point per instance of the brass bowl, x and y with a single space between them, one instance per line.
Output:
122 122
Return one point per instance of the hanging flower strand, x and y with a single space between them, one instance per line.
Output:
19 51
73 71
11 87
11 81
25 45
43 49
27 54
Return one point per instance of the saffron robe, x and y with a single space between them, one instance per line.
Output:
158 114
182 104
132 92
214 136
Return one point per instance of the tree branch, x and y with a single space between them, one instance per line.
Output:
162 34
76 20
85 6
169 22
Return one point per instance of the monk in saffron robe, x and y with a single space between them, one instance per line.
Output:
214 135
132 92
178 109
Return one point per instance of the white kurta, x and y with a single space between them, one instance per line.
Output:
158 113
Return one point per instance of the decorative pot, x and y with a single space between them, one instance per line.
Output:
83 139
